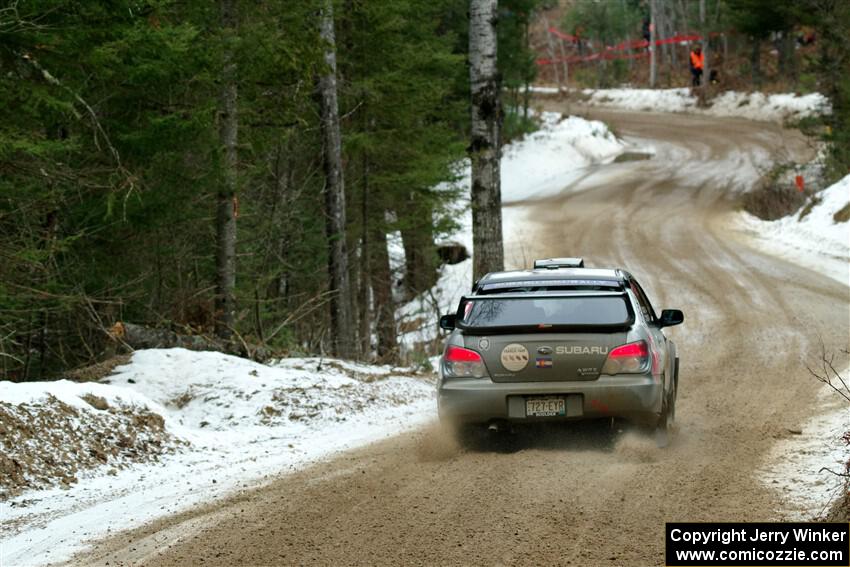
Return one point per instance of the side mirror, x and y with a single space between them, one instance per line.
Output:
670 317
447 322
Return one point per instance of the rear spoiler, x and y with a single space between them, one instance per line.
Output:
622 327
543 284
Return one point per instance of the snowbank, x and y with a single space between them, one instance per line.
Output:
754 106
769 108
226 422
53 433
541 164
794 466
812 237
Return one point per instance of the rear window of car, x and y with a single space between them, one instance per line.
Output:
546 312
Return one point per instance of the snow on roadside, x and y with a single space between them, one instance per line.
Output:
238 422
53 433
542 164
794 465
753 106
769 108
815 239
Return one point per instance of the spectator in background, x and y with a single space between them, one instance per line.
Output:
697 60
806 36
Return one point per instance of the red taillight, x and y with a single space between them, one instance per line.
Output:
632 349
460 354
632 358
459 362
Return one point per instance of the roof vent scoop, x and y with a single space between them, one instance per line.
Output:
555 263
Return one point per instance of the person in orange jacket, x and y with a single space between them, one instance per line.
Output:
697 60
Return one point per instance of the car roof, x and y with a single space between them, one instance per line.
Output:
548 277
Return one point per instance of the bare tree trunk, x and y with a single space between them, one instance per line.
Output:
671 30
382 292
565 66
780 52
784 44
550 48
343 331
755 62
661 24
788 45
485 146
683 14
420 273
653 51
526 95
706 66
283 173
365 320
226 201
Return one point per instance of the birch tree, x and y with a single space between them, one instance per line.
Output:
484 149
226 198
343 333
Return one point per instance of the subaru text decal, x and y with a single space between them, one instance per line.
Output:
581 350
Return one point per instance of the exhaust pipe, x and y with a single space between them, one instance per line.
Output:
500 426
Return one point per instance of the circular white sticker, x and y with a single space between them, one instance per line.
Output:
484 344
514 357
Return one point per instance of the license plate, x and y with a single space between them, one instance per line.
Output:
545 407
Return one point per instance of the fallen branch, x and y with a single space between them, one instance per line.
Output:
141 337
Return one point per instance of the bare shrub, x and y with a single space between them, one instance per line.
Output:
843 215
772 200
827 374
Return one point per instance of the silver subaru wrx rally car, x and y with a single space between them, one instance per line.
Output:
559 342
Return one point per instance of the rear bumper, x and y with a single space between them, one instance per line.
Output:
470 400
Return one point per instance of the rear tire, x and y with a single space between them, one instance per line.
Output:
664 428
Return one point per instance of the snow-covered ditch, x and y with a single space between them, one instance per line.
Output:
542 164
795 465
752 105
174 428
814 237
